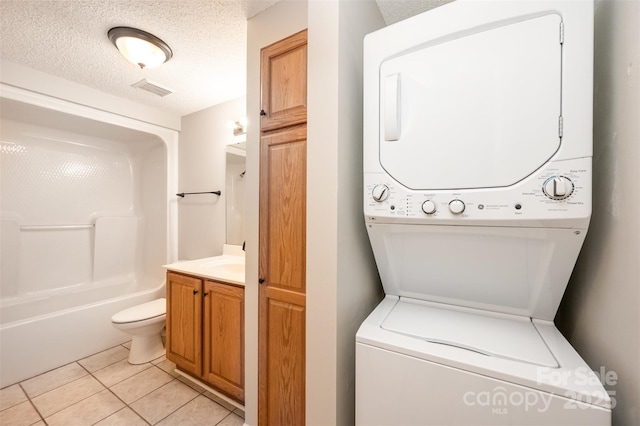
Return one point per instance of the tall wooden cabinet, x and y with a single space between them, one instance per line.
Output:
205 331
282 252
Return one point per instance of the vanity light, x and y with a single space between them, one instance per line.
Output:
239 127
140 47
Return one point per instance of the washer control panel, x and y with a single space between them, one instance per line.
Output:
429 207
560 190
380 193
456 206
558 187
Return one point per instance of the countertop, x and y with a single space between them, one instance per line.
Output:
224 268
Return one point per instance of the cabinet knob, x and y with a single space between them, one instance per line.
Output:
262 112
261 280
205 294
195 292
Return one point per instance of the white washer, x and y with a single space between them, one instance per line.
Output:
477 199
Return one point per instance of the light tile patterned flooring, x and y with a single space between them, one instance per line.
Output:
104 389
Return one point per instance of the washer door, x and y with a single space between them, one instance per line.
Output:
488 333
473 110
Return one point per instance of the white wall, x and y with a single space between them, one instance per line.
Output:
202 155
28 78
342 280
600 313
359 287
322 218
281 20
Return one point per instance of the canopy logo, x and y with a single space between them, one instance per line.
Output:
500 400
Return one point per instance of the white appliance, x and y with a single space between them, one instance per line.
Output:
477 199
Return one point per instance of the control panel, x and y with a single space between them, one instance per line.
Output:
558 187
560 190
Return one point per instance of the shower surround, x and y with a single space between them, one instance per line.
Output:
87 212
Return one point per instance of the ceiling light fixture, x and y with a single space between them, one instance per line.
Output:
140 47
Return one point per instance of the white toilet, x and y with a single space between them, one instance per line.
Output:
144 323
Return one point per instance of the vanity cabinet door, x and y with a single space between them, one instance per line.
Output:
184 322
224 338
283 85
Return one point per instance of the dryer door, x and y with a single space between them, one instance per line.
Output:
476 109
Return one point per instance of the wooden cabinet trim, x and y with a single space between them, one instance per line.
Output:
293 297
201 278
286 135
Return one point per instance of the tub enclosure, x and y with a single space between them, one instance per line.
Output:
86 225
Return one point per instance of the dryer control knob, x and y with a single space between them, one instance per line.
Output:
429 207
558 187
380 193
456 206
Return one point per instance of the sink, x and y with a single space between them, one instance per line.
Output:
219 260
229 268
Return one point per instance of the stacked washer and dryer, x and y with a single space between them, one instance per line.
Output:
477 200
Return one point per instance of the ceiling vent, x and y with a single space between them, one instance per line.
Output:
150 87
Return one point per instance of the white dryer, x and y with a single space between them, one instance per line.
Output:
477 199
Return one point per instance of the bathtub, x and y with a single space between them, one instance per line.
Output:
87 219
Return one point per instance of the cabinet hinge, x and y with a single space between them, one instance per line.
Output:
560 126
561 32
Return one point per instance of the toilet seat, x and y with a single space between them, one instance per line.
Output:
143 312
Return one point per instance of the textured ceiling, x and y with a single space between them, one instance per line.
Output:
68 39
396 10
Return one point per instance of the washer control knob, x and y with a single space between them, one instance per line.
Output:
456 206
380 193
429 207
558 187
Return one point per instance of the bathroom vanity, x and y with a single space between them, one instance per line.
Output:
205 322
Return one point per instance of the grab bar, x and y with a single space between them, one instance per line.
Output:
182 194
54 227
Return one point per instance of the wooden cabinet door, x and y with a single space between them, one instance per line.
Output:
224 338
282 269
283 85
184 322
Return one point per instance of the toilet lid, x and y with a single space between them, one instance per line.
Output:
142 312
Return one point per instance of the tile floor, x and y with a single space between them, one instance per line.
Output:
104 389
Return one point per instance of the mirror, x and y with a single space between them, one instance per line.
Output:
235 184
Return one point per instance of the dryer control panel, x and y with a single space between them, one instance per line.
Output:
560 190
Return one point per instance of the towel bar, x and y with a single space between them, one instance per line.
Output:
182 194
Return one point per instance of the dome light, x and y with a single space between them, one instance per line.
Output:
139 47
